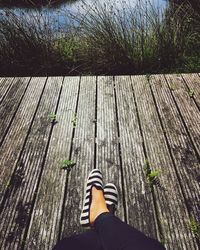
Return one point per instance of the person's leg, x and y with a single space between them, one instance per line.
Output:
88 240
117 235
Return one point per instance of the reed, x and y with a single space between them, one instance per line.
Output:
140 40
103 40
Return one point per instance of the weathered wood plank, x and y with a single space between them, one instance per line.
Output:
23 185
107 159
186 162
5 84
193 82
57 202
10 104
16 136
83 154
171 208
187 107
139 202
44 224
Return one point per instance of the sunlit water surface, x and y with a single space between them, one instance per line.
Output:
59 14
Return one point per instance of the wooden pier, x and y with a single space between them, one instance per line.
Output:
142 132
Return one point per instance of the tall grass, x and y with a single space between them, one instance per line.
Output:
27 45
140 40
103 40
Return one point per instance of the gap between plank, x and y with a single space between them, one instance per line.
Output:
68 172
40 174
20 154
170 153
7 90
7 129
159 230
95 127
119 150
189 90
182 119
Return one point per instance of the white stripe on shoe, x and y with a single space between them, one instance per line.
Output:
94 179
111 195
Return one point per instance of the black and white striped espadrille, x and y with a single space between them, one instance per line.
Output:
111 197
94 179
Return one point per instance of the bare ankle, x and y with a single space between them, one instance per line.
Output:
98 205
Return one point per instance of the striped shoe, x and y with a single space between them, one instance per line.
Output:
94 179
111 197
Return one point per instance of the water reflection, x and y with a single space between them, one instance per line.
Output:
34 4
56 13
71 4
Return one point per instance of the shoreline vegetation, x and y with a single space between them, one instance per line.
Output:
106 40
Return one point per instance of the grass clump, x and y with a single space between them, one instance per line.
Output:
103 40
74 121
52 117
68 164
151 175
27 46
191 93
195 227
140 41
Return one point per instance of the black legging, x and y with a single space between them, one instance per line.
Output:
109 233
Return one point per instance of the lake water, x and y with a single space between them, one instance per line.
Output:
58 13
76 5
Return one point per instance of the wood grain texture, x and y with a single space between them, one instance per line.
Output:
193 83
44 224
107 138
139 203
5 84
186 162
10 104
83 154
16 136
26 177
111 123
188 109
171 209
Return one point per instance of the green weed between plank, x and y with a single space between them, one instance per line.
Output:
191 93
68 164
74 120
195 227
152 176
52 117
